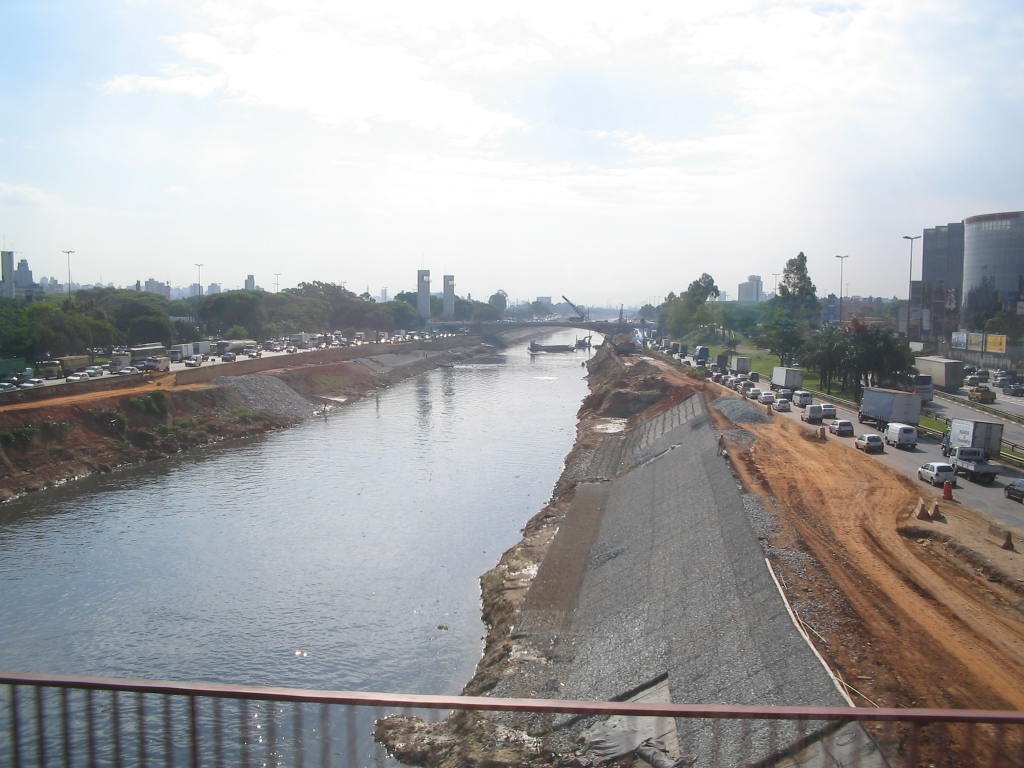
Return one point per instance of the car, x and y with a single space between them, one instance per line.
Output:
782 404
1015 490
752 392
937 473
766 398
6 386
94 371
828 411
80 376
785 392
1016 390
193 361
31 384
841 427
869 442
228 357
290 349
128 370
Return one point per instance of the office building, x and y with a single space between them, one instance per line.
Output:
423 293
250 283
751 291
448 312
942 277
993 266
7 274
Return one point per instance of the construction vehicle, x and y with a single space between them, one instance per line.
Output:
581 314
981 394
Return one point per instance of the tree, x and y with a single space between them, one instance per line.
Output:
236 332
686 313
148 328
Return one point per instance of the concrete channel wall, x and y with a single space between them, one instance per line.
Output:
656 574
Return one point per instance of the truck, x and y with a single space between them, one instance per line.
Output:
701 354
964 433
179 352
881 406
971 463
947 374
739 364
981 394
787 378
59 367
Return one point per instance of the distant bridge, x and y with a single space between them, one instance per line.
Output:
493 327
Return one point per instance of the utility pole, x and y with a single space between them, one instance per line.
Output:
68 254
776 276
841 260
277 282
200 283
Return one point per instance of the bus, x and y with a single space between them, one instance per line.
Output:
141 352
923 387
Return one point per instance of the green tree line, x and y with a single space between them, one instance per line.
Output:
104 317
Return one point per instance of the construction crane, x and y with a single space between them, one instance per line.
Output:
581 314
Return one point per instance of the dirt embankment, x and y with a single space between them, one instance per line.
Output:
907 612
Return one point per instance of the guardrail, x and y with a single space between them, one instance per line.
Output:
92 721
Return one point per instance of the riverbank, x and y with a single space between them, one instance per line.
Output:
648 564
60 439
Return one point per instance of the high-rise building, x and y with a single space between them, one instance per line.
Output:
942 278
751 291
155 286
993 266
250 283
7 274
448 312
23 276
423 293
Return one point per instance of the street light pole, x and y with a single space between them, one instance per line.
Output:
910 284
68 254
200 283
841 260
277 282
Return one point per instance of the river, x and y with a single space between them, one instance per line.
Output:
343 553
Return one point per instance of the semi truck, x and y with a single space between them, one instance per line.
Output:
881 406
701 354
787 378
964 433
971 463
739 364
947 374
59 367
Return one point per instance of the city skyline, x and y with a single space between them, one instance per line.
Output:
610 155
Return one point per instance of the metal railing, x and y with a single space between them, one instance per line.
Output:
93 721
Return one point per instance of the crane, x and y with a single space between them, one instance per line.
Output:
581 313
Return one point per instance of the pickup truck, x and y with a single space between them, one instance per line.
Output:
971 463
981 394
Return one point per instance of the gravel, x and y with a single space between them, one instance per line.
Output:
266 393
741 411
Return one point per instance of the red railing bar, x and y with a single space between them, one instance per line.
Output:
426 701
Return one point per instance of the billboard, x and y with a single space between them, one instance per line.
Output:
958 340
995 342
976 341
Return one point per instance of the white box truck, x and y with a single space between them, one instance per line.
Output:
882 406
787 378
739 364
947 374
964 433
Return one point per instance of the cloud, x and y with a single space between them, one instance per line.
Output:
20 195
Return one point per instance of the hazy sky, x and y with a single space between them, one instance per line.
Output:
608 151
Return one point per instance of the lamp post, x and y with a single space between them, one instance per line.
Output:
200 283
68 254
841 260
910 284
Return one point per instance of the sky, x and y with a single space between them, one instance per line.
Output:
610 152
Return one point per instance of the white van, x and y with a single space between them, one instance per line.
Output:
802 397
901 435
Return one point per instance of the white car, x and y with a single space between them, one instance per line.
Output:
782 404
766 398
31 384
937 473
753 393
80 376
128 371
828 411
841 428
